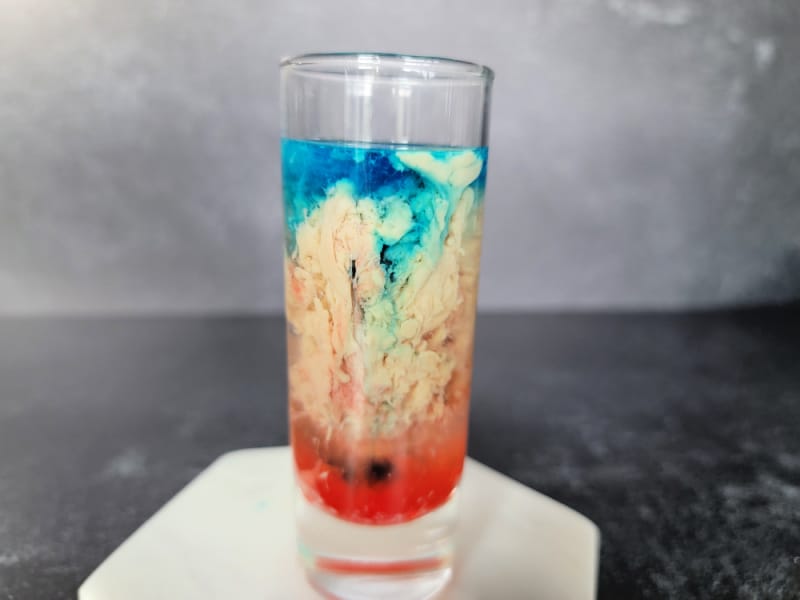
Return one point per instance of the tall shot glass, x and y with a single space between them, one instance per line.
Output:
384 169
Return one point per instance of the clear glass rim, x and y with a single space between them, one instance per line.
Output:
421 67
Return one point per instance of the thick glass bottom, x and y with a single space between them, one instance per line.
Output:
350 561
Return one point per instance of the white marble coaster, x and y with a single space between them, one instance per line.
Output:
229 535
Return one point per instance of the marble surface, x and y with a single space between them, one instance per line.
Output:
246 547
676 434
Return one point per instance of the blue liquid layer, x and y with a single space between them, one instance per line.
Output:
312 169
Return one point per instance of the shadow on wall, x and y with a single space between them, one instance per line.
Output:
752 218
771 140
782 284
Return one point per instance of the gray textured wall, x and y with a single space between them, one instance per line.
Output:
644 154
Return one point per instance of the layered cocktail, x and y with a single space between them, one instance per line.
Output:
384 168
382 257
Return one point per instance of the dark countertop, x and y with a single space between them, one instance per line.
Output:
679 435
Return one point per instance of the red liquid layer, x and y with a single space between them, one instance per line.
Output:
381 482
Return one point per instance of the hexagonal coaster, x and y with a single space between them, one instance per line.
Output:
230 534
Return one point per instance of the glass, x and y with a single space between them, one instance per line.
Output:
384 168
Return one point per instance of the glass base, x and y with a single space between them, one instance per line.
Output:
348 561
